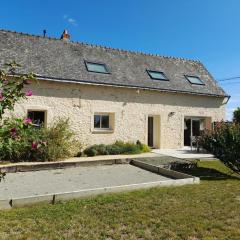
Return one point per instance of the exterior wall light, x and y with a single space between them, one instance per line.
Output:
171 114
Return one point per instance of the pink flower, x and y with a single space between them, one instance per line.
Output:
13 132
27 121
29 93
1 97
34 145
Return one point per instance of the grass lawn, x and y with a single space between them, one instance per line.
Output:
207 211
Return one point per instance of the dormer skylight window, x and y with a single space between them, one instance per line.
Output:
96 67
157 75
194 80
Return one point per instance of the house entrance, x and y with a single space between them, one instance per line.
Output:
150 131
153 131
192 129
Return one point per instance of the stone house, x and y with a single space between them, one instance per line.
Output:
111 94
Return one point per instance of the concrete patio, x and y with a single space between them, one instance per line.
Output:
24 188
184 153
17 185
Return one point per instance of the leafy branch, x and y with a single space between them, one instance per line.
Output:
12 86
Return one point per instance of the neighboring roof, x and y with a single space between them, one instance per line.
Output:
60 60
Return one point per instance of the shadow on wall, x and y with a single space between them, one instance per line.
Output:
103 93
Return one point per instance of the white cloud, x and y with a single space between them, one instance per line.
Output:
233 103
229 113
70 20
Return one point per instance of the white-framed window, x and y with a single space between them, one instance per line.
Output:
103 122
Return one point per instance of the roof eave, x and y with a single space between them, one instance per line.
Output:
64 80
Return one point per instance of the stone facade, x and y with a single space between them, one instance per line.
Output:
128 108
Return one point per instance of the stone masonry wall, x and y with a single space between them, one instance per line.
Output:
130 108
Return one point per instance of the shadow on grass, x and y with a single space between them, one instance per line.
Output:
209 173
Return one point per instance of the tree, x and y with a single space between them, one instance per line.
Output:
224 143
12 86
236 115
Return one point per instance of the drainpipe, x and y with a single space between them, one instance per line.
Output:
191 133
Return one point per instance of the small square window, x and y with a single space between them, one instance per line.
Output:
96 67
194 80
38 117
157 75
101 121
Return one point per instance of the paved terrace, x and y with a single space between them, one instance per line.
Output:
23 184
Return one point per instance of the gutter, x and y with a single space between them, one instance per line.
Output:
65 80
228 98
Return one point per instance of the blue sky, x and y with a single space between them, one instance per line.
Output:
207 30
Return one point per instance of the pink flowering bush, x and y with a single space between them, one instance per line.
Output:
12 86
20 140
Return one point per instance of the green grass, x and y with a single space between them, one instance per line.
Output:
207 211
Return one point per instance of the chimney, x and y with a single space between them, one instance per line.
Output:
44 33
65 36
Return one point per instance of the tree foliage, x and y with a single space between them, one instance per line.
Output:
236 115
224 143
12 86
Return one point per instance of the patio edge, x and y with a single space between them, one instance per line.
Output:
65 196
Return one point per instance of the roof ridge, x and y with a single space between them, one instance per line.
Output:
103 47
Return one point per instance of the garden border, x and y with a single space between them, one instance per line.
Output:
65 196
59 165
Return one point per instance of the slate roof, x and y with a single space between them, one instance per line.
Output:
59 60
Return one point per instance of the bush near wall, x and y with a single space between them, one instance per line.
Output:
236 115
20 140
224 143
118 147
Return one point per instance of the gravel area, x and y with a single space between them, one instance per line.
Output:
24 184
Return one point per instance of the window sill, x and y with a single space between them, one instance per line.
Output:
97 131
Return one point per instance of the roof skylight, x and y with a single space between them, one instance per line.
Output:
157 75
96 67
194 80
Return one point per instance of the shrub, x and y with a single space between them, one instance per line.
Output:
118 147
114 149
224 143
236 115
21 141
91 152
59 142
16 139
